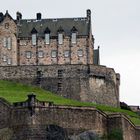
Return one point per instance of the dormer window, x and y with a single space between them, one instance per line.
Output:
34 36
60 38
33 39
73 38
60 35
47 36
73 35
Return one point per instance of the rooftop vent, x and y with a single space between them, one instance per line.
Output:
38 16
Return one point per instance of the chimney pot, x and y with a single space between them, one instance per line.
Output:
38 16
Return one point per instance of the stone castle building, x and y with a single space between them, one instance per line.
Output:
58 55
45 41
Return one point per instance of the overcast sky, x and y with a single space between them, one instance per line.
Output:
116 28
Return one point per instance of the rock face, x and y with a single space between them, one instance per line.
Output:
56 133
87 135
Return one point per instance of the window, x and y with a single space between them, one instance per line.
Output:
33 39
40 54
9 61
73 38
9 43
47 38
54 54
6 25
4 58
60 73
59 88
80 53
5 42
60 38
28 54
67 53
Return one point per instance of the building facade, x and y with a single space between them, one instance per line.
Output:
45 41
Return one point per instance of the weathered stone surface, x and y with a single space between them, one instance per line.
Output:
34 120
88 135
90 83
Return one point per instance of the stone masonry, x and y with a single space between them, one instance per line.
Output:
38 120
81 82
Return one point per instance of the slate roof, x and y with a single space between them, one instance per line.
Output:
67 24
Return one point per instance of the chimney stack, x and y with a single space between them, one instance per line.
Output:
19 16
38 16
88 14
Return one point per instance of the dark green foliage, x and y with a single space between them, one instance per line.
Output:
115 134
124 106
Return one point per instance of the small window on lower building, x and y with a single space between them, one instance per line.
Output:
28 54
9 61
59 88
4 58
60 73
6 25
80 53
54 54
67 53
40 54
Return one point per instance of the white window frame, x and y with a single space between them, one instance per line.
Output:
4 58
80 53
9 61
5 42
54 54
34 39
40 54
67 53
9 43
47 38
60 38
73 38
28 54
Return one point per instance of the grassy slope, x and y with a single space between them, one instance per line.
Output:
15 92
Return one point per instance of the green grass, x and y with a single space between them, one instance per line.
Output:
16 92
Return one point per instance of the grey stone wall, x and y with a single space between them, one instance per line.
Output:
37 120
87 83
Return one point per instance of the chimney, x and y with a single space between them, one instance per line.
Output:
1 16
38 16
19 16
88 14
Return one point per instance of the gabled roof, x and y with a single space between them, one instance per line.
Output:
33 31
47 30
80 24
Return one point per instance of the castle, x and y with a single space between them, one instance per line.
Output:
57 55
